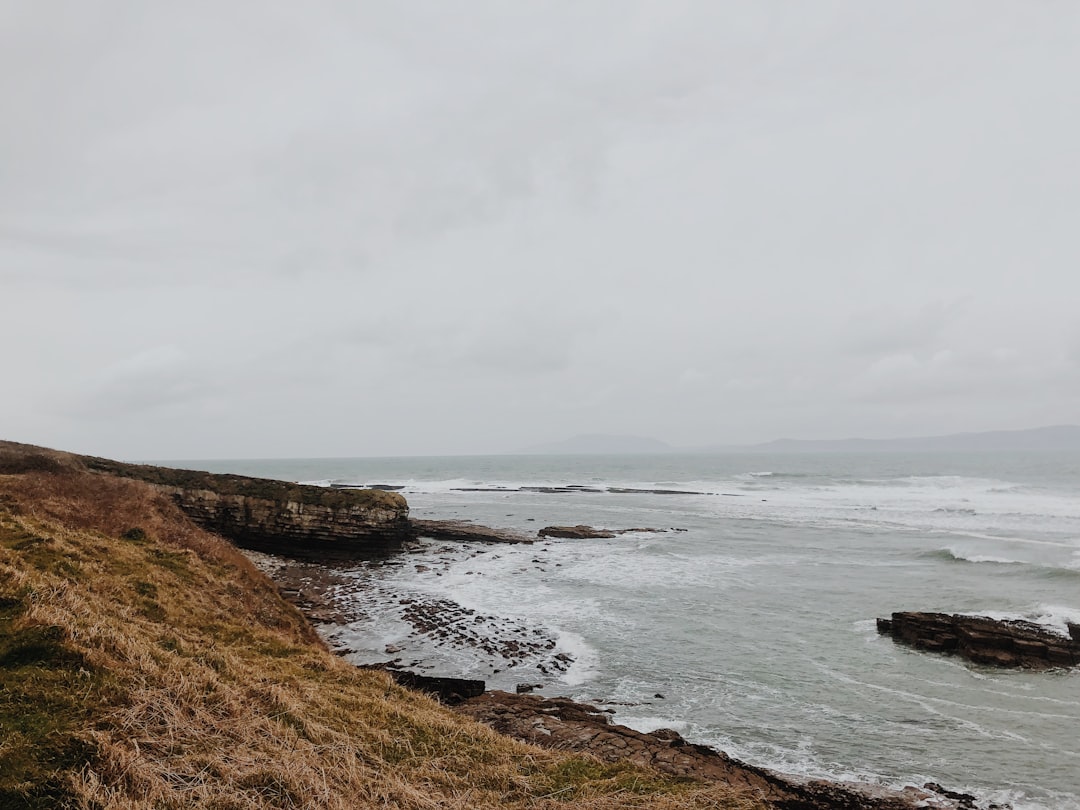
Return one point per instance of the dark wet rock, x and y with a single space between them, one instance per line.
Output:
575 532
963 800
447 623
569 489
525 688
632 491
464 531
982 640
572 489
583 532
450 691
566 725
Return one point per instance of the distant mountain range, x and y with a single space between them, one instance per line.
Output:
1058 437
601 444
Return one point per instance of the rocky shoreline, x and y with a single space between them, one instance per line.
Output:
566 725
559 722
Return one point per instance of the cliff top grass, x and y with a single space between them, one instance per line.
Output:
145 663
15 458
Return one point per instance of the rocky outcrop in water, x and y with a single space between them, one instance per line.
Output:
575 532
566 725
464 531
582 532
982 640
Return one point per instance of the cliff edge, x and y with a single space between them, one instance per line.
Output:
257 513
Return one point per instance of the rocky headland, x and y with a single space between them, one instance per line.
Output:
255 513
321 523
983 640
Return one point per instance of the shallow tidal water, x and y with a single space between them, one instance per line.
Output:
753 629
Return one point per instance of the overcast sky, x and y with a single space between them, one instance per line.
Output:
274 229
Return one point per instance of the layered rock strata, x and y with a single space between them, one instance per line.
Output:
280 517
298 527
982 640
262 514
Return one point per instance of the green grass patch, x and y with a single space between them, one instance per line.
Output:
261 488
135 535
43 553
278 649
172 562
48 696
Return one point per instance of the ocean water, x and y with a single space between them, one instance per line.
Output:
752 627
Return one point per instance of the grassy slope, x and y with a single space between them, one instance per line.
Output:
20 458
145 663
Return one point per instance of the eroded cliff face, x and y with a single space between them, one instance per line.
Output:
281 517
298 529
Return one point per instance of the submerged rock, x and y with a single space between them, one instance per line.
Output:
575 532
582 532
983 640
464 531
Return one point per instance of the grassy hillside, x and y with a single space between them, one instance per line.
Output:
19 458
146 664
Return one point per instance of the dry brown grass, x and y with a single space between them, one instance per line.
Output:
187 682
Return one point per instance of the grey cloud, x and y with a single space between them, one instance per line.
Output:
887 330
704 222
159 378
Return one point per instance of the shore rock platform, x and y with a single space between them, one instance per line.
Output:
983 640
464 531
582 532
564 724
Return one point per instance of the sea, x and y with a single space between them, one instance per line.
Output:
742 613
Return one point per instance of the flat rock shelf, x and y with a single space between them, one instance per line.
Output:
984 640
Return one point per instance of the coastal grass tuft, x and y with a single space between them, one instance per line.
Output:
159 669
49 694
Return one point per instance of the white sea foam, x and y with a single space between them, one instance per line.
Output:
586 659
968 556
1056 617
1052 617
731 619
